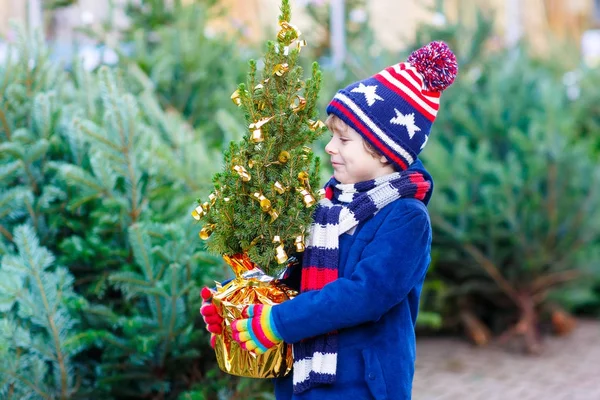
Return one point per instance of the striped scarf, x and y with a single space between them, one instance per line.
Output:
345 206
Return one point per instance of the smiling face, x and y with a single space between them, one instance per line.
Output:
353 160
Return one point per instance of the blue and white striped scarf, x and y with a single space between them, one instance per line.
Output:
345 206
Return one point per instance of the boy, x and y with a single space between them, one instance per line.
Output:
352 325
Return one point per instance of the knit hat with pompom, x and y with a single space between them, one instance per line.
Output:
394 109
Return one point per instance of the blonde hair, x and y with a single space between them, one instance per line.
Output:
333 122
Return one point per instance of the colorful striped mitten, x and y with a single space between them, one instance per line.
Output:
256 332
210 315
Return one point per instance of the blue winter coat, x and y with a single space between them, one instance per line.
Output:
373 304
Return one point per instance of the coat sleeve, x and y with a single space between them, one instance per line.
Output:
390 266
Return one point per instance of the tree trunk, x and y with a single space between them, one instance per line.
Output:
525 331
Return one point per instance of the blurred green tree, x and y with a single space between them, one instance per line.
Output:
101 297
516 209
170 49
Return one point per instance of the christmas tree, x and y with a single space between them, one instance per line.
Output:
98 286
515 214
263 199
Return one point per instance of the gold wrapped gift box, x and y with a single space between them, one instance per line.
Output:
251 286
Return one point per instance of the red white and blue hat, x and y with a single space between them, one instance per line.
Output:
394 109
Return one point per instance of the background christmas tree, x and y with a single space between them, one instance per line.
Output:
516 216
172 50
99 282
262 204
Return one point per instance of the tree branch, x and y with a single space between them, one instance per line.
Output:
6 233
27 382
481 259
544 282
5 124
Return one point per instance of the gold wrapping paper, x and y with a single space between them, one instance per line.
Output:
251 286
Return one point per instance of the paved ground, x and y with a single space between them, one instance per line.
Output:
568 369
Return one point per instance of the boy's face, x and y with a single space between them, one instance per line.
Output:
351 161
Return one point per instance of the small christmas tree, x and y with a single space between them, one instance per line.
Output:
262 203
263 200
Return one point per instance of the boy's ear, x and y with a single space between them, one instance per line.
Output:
383 160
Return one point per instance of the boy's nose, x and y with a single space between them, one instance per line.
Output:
329 147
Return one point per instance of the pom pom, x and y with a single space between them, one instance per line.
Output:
437 63
206 294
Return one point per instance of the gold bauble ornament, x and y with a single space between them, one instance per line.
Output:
206 231
279 187
258 89
198 213
265 204
280 254
315 125
235 97
308 198
257 136
299 242
303 178
286 28
283 157
242 172
281 69
298 105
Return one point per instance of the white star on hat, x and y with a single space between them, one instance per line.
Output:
407 120
369 92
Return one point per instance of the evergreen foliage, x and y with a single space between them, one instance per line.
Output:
39 336
103 180
171 50
580 86
248 211
136 245
516 203
31 89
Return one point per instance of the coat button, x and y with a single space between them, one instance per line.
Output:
371 376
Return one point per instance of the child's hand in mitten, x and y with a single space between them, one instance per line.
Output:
256 331
210 314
